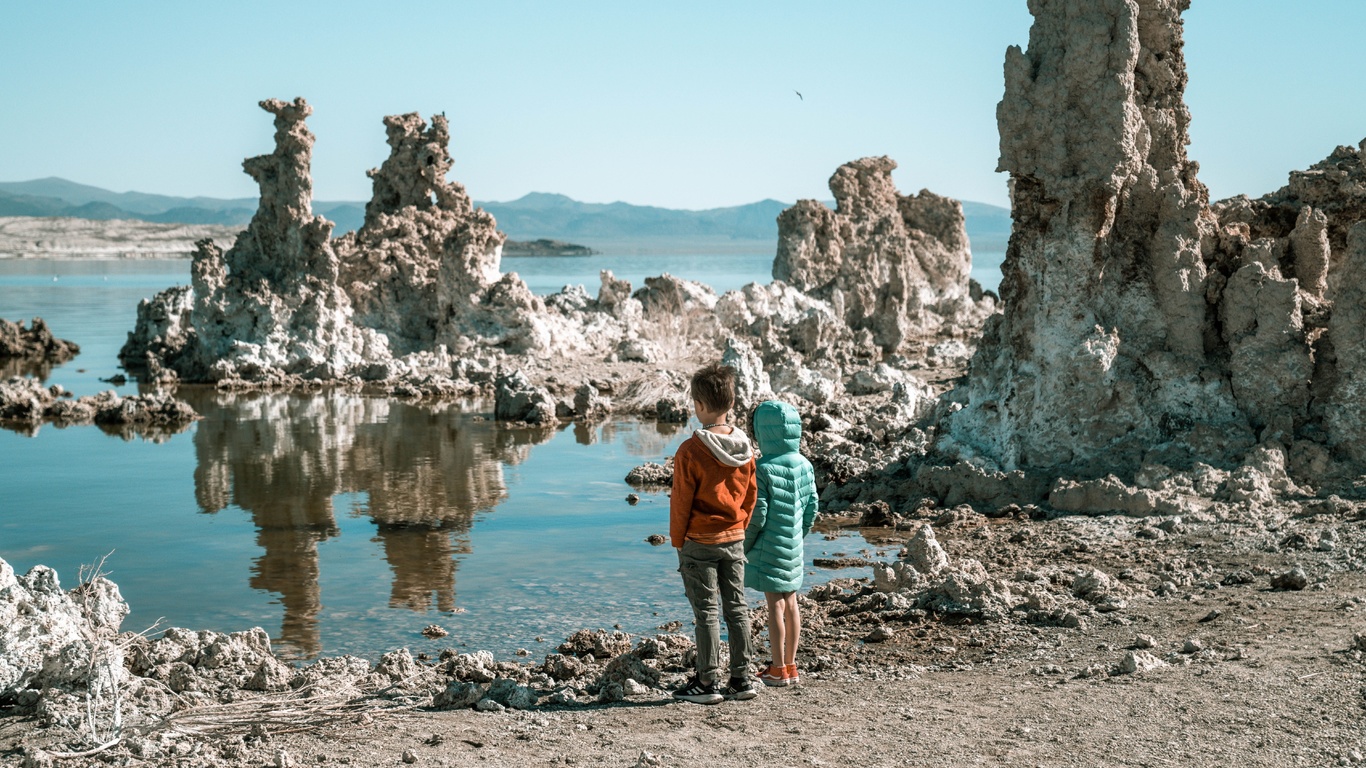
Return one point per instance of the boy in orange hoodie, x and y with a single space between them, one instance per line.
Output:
713 496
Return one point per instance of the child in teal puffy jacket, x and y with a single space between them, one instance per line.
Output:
783 514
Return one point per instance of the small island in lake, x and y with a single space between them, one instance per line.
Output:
545 247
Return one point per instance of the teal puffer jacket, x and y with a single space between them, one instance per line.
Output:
786 505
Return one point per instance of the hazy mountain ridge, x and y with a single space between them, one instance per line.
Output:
537 215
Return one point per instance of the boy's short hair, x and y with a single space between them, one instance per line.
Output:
714 387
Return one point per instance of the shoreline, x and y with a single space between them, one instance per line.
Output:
1191 646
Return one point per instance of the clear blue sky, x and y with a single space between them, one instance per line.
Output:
686 105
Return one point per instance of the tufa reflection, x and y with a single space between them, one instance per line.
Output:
423 470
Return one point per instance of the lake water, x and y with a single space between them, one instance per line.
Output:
339 523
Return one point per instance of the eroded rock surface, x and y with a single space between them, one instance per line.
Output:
1140 323
271 304
895 265
424 267
53 638
33 350
25 404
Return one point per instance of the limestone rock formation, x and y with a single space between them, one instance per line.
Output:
272 302
32 350
424 267
287 304
516 399
50 637
1141 323
895 265
25 404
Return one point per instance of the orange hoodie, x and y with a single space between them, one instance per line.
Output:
713 490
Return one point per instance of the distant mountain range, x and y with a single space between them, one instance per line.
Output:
534 216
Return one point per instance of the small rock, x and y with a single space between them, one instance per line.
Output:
647 760
1145 642
1359 641
1293 579
1211 616
1192 645
37 758
1093 670
489 705
409 756
652 474
508 693
458 695
924 553
563 697
433 631
1139 661
656 539
283 760
609 693
880 634
633 687
633 499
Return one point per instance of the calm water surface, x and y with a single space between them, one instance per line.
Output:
345 524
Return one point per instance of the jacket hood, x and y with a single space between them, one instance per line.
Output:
733 450
777 427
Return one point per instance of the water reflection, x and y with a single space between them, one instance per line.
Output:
647 440
423 473
34 367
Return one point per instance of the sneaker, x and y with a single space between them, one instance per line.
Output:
775 676
739 689
698 692
793 677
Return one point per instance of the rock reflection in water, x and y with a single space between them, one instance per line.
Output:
647 440
424 471
25 366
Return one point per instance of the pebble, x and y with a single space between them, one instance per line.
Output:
1192 645
632 498
489 705
880 635
434 631
409 756
1139 661
1144 642
1293 579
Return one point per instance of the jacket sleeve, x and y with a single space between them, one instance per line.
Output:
759 518
810 500
680 500
751 492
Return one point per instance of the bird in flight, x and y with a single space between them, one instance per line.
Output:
799 94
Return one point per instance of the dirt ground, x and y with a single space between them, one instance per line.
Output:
1251 676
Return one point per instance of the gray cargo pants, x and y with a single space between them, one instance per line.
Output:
711 571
